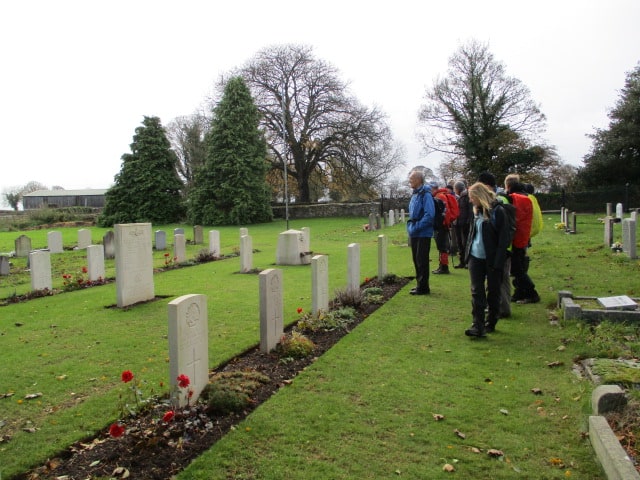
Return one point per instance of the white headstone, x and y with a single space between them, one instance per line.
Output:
54 242
353 266
178 231
22 246
134 263
382 257
244 231
95 262
109 245
214 243
179 248
392 218
84 238
4 265
271 308
40 265
372 222
188 346
246 254
197 235
161 239
634 215
402 215
291 249
621 302
306 241
319 283
629 238
619 211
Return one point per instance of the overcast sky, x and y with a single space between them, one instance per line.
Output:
78 76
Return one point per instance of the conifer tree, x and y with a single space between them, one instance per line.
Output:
231 188
148 188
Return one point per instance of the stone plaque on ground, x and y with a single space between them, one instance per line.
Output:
188 346
54 242
108 244
4 265
197 235
214 242
180 248
621 302
95 262
84 238
22 246
161 240
353 266
40 265
134 263
319 283
271 305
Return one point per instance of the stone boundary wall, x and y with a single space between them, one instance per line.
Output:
321 210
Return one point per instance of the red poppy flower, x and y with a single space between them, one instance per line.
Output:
168 416
116 430
366 279
299 310
183 381
190 394
127 376
84 270
166 254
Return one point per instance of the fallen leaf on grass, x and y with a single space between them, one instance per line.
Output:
120 472
475 450
448 468
30 429
536 391
459 434
555 364
504 411
492 452
437 417
31 396
7 395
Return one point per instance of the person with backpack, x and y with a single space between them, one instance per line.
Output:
442 234
489 239
420 229
463 222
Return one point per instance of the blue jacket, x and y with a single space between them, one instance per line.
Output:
421 213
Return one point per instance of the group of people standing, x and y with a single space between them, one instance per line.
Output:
492 228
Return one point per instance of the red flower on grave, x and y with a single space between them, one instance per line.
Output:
190 394
80 281
127 376
183 381
116 430
366 279
299 310
168 416
84 270
166 254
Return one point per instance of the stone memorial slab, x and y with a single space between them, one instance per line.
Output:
5 266
382 257
392 218
84 238
95 262
109 245
54 242
621 302
134 263
634 216
629 245
178 231
291 248
40 266
378 222
306 241
609 209
353 266
271 308
180 248
244 231
188 346
160 240
214 243
319 283
246 254
22 246
385 219
198 235
372 222
619 211
403 215
608 231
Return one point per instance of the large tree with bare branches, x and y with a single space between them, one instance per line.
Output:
314 125
480 114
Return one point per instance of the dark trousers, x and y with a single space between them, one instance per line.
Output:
523 287
462 233
484 294
420 247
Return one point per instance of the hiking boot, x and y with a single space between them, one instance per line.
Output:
475 331
441 269
524 301
460 265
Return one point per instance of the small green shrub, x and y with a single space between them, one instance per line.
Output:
373 295
348 297
390 279
204 256
326 321
295 345
231 392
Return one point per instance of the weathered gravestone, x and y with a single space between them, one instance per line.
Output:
608 231
134 263
109 245
609 209
319 283
95 262
22 246
382 257
197 235
214 242
188 346
271 308
246 254
84 238
620 302
372 221
160 240
378 222
40 266
629 237
392 218
619 211
244 231
306 241
353 266
403 215
291 249
178 231
54 242
179 248
4 265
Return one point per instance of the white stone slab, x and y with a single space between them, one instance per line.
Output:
22 246
292 249
134 263
621 302
382 257
246 254
214 243
4 265
109 245
54 242
179 248
197 235
161 240
95 262
188 346
40 266
84 238
271 308
319 283
353 266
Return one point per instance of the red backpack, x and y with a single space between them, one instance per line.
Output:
452 211
524 217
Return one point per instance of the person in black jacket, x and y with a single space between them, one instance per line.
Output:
489 239
463 222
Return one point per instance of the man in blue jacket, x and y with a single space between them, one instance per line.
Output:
420 229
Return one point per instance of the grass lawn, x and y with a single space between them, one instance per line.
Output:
365 409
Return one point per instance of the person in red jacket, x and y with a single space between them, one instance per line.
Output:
443 239
524 290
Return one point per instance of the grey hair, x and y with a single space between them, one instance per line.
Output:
459 186
419 171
